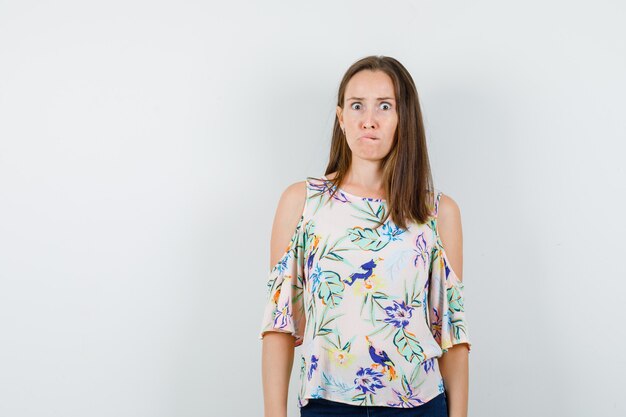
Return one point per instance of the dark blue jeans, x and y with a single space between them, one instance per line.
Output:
319 407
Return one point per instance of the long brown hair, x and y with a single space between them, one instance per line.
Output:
407 177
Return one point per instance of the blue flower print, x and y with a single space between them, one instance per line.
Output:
422 251
368 380
429 364
318 392
399 314
282 316
391 231
313 366
407 399
317 278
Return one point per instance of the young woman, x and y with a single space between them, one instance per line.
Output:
359 276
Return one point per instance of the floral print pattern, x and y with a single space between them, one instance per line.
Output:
371 308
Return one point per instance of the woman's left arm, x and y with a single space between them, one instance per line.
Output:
454 367
454 364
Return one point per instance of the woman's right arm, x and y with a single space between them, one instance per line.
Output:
278 352
278 347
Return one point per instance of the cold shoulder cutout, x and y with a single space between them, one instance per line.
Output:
446 300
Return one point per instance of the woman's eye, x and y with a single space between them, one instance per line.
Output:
357 106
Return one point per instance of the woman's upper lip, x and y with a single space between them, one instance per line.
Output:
369 136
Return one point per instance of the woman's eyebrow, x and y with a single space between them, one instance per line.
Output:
379 98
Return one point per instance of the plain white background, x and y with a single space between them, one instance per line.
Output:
144 146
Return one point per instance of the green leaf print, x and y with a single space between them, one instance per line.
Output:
309 232
455 299
414 299
367 239
311 313
380 329
347 346
338 345
372 213
331 288
302 377
408 345
458 326
310 239
334 385
333 251
361 398
415 376
405 384
369 300
323 327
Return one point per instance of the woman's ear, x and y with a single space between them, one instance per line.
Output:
340 115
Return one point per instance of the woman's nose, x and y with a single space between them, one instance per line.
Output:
369 120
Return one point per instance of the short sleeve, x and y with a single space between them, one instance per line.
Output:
284 306
446 297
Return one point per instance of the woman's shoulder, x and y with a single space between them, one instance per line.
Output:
450 231
445 206
293 197
286 219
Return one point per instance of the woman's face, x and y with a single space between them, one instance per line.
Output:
369 114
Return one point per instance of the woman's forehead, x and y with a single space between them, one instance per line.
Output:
370 84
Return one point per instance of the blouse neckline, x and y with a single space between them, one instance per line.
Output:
379 200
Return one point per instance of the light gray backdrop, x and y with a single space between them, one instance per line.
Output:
144 146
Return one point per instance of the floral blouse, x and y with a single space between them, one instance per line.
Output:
370 308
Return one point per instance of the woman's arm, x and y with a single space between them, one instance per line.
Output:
277 361
278 347
454 364
454 367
